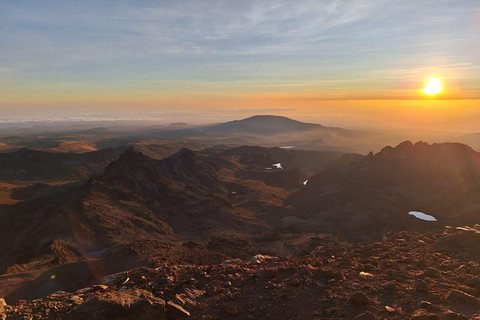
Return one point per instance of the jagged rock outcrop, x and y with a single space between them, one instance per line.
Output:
376 193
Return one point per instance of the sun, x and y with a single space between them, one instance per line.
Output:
432 87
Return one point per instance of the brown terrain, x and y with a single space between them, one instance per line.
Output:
149 228
139 210
407 275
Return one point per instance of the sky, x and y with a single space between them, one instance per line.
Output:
349 63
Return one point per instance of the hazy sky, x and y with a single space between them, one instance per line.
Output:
304 58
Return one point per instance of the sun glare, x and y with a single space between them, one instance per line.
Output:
432 87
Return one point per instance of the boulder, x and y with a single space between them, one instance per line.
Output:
450 315
390 286
122 305
259 258
421 285
359 298
460 297
463 238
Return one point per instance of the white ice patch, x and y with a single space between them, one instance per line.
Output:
277 165
422 216
287 147
268 168
305 182
234 192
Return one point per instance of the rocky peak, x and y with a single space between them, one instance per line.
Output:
132 165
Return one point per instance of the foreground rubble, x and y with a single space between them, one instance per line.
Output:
406 276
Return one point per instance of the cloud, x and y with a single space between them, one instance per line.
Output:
223 44
245 27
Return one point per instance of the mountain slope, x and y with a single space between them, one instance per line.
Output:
407 275
33 165
376 193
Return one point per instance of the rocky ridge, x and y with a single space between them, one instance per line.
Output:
407 275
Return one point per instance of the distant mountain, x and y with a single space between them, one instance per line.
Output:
471 139
277 131
374 195
259 130
261 124
271 131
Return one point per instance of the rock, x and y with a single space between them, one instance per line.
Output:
211 290
390 286
100 287
465 238
2 303
421 263
84 290
142 279
460 297
294 282
267 272
359 298
462 269
431 272
112 278
474 283
164 281
230 309
76 299
424 316
231 262
365 316
174 311
318 251
155 287
421 285
450 315
389 309
261 258
365 275
428 306
125 305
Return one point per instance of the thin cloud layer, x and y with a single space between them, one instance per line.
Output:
56 51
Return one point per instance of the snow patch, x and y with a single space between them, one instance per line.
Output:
277 165
305 182
287 147
422 216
